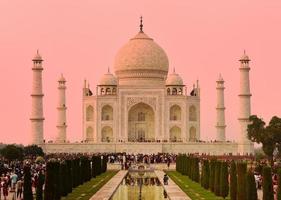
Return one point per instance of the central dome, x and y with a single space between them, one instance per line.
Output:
141 58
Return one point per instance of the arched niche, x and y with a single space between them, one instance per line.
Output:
107 113
175 113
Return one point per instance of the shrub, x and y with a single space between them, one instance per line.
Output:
212 175
217 178
39 188
241 180
224 188
251 189
279 184
233 181
27 193
267 187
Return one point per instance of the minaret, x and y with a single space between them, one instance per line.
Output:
220 110
245 105
61 118
37 117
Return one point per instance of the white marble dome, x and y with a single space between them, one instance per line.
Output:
174 79
108 79
141 57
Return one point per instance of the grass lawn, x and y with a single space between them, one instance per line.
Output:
88 189
192 189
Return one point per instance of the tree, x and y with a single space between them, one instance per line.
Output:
279 184
233 181
217 178
33 150
63 179
52 183
241 180
212 175
69 176
224 188
39 188
251 190
267 187
12 152
205 174
196 174
269 136
27 190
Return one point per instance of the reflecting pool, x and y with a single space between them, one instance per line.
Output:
140 186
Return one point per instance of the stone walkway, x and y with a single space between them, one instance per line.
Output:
109 188
172 189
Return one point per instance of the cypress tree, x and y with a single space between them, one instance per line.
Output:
203 172
39 188
94 174
217 178
57 182
251 189
224 187
233 181
196 175
267 187
212 175
63 179
69 176
49 181
241 180
27 193
279 184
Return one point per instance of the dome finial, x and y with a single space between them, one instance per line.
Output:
141 25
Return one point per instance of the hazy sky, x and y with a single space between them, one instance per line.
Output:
80 39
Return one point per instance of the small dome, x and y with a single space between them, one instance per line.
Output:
141 57
244 57
62 79
174 79
220 79
37 57
108 79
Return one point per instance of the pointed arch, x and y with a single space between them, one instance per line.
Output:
89 113
175 134
107 113
192 134
175 113
192 113
89 133
107 134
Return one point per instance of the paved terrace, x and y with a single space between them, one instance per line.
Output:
109 188
172 189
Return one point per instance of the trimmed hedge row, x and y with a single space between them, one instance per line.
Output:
62 176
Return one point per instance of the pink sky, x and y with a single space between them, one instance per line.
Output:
80 40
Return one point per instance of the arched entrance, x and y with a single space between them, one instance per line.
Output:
141 123
106 134
175 134
192 134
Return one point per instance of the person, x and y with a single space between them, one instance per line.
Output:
19 188
14 178
165 179
168 164
5 188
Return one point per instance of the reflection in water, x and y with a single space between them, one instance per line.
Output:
137 186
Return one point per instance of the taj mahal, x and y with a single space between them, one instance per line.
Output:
141 108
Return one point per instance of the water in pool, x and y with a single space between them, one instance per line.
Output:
140 186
